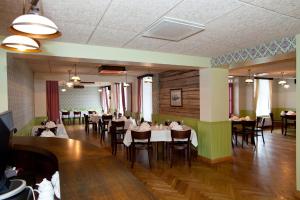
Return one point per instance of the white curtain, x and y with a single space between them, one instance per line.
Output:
263 97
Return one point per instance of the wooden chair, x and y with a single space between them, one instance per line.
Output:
117 134
65 115
141 141
77 115
259 128
87 123
181 140
91 112
248 129
105 122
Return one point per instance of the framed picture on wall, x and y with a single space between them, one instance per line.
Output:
176 97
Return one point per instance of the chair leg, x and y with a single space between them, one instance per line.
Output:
243 141
171 157
149 156
189 155
133 157
236 139
262 135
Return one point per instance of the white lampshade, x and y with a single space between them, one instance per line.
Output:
286 86
126 85
75 78
35 26
249 80
281 82
63 89
21 44
99 90
69 84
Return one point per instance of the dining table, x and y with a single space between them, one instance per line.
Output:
159 134
285 119
60 132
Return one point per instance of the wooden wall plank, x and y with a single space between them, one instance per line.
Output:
188 81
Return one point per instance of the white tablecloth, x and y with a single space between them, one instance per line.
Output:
160 135
95 118
61 131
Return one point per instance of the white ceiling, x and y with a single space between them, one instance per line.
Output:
230 24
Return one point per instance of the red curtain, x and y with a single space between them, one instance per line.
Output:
140 95
230 87
131 97
123 98
52 97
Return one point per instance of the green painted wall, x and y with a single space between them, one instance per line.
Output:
250 113
297 109
26 130
214 138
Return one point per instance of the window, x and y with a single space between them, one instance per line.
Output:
147 100
263 97
230 86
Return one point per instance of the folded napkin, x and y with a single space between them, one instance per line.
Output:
173 124
234 118
123 118
282 113
47 133
177 127
144 127
50 124
45 190
56 184
133 122
247 118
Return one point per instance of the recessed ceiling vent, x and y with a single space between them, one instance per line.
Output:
173 29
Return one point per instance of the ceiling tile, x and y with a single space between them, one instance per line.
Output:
111 37
288 7
145 43
87 12
203 11
76 33
135 15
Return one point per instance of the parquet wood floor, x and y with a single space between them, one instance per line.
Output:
267 173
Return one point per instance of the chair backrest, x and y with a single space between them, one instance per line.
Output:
118 124
260 122
77 113
91 112
86 118
185 134
249 125
144 135
106 117
64 113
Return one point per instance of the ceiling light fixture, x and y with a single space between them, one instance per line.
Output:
69 82
249 79
21 44
75 78
33 25
99 90
148 77
126 82
282 81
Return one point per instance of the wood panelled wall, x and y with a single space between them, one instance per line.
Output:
189 82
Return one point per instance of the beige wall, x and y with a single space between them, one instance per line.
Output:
20 92
40 88
284 98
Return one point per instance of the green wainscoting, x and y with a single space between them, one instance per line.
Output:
250 113
214 138
26 130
